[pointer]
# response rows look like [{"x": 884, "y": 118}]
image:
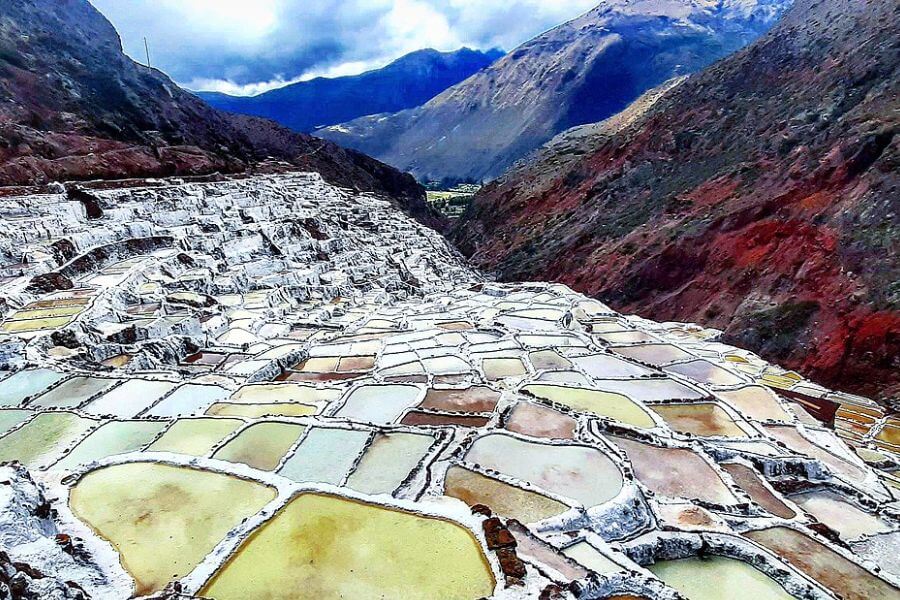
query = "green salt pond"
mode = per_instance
[
  {"x": 195, "y": 437},
  {"x": 604, "y": 404},
  {"x": 261, "y": 445},
  {"x": 327, "y": 547},
  {"x": 25, "y": 384},
  {"x": 44, "y": 438},
  {"x": 9, "y": 418},
  {"x": 388, "y": 462},
  {"x": 72, "y": 393},
  {"x": 325, "y": 455},
  {"x": 718, "y": 578},
  {"x": 163, "y": 520},
  {"x": 117, "y": 437}
]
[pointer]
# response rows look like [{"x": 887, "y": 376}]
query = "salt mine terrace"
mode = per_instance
[{"x": 274, "y": 387}]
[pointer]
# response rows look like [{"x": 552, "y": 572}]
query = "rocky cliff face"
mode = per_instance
[
  {"x": 580, "y": 72},
  {"x": 760, "y": 196},
  {"x": 73, "y": 106},
  {"x": 410, "y": 81}
]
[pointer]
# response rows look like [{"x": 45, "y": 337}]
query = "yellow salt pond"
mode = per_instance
[
  {"x": 323, "y": 546},
  {"x": 605, "y": 404},
  {"x": 163, "y": 520}
]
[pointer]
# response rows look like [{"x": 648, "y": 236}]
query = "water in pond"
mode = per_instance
[
  {"x": 509, "y": 501},
  {"x": 604, "y": 404},
  {"x": 675, "y": 472},
  {"x": 117, "y": 437},
  {"x": 188, "y": 400},
  {"x": 847, "y": 519},
  {"x": 44, "y": 438},
  {"x": 25, "y": 384},
  {"x": 35, "y": 325},
  {"x": 380, "y": 404},
  {"x": 748, "y": 480},
  {"x": 420, "y": 418},
  {"x": 325, "y": 455},
  {"x": 537, "y": 420},
  {"x": 500, "y": 368},
  {"x": 705, "y": 372},
  {"x": 329, "y": 547},
  {"x": 549, "y": 359},
  {"x": 843, "y": 577},
  {"x": 587, "y": 556},
  {"x": 653, "y": 354},
  {"x": 388, "y": 462},
  {"x": 702, "y": 419},
  {"x": 473, "y": 399},
  {"x": 194, "y": 437},
  {"x": 756, "y": 402},
  {"x": 582, "y": 473},
  {"x": 11, "y": 417},
  {"x": 72, "y": 392},
  {"x": 261, "y": 445},
  {"x": 163, "y": 520},
  {"x": 255, "y": 411},
  {"x": 649, "y": 390},
  {"x": 718, "y": 578},
  {"x": 267, "y": 393},
  {"x": 605, "y": 365},
  {"x": 130, "y": 398}
]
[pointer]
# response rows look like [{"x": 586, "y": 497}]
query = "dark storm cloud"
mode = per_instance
[{"x": 246, "y": 46}]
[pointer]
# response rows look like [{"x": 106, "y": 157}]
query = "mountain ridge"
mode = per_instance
[
  {"x": 409, "y": 81},
  {"x": 579, "y": 72}
]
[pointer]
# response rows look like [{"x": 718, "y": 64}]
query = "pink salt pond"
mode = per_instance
[
  {"x": 675, "y": 472},
  {"x": 536, "y": 420},
  {"x": 473, "y": 399}
]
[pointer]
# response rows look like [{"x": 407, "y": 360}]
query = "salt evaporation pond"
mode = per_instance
[{"x": 718, "y": 578}]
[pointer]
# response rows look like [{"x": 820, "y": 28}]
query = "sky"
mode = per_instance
[{"x": 246, "y": 47}]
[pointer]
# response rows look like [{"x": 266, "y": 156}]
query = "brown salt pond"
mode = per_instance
[
  {"x": 504, "y": 499},
  {"x": 473, "y": 399},
  {"x": 794, "y": 440},
  {"x": 163, "y": 520},
  {"x": 748, "y": 480},
  {"x": 322, "y": 546},
  {"x": 675, "y": 472},
  {"x": 756, "y": 402},
  {"x": 537, "y": 420},
  {"x": 703, "y": 419},
  {"x": 419, "y": 418},
  {"x": 843, "y": 577}
]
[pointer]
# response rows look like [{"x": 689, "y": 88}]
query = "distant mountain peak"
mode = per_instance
[{"x": 408, "y": 81}]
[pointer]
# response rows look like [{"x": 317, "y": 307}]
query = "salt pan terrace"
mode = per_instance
[{"x": 275, "y": 388}]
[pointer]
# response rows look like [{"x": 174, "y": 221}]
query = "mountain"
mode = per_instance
[
  {"x": 74, "y": 106},
  {"x": 761, "y": 197},
  {"x": 580, "y": 72},
  {"x": 407, "y": 82}
]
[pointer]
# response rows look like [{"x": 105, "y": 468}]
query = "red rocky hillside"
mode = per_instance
[{"x": 759, "y": 196}]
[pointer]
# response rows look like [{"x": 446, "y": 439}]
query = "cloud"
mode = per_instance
[{"x": 246, "y": 47}]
